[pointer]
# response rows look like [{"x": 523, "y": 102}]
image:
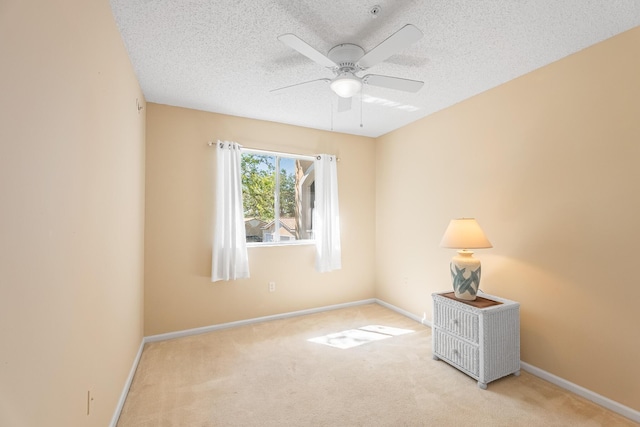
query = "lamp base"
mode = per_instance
[{"x": 465, "y": 275}]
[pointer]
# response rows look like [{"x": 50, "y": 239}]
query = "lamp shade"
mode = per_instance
[
  {"x": 464, "y": 233},
  {"x": 346, "y": 85}
]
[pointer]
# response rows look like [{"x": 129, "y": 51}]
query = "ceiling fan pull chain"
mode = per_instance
[
  {"x": 361, "y": 95},
  {"x": 331, "y": 106}
]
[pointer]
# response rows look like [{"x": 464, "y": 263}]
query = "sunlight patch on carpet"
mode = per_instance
[{"x": 355, "y": 337}]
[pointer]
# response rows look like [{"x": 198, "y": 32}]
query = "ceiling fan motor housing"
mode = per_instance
[{"x": 346, "y": 55}]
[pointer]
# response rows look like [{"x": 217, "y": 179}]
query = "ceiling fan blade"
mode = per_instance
[
  {"x": 344, "y": 104},
  {"x": 304, "y": 48},
  {"x": 402, "y": 38},
  {"x": 299, "y": 84},
  {"x": 393, "y": 82}
]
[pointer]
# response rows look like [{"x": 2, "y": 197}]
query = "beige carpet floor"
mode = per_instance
[{"x": 268, "y": 374}]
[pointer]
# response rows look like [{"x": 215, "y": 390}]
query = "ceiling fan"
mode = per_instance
[{"x": 347, "y": 59}]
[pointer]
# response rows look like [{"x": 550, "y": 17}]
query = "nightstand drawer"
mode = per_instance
[
  {"x": 481, "y": 338},
  {"x": 457, "y": 351},
  {"x": 456, "y": 321}
]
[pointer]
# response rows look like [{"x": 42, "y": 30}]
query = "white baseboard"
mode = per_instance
[
  {"x": 127, "y": 385},
  {"x": 612, "y": 405},
  {"x": 405, "y": 313},
  {"x": 195, "y": 331},
  {"x": 204, "y": 329}
]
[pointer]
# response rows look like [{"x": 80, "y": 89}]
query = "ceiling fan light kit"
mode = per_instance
[
  {"x": 346, "y": 85},
  {"x": 346, "y": 59}
]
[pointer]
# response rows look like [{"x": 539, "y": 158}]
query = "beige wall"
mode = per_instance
[
  {"x": 71, "y": 213},
  {"x": 548, "y": 164},
  {"x": 552, "y": 158},
  {"x": 179, "y": 293}
]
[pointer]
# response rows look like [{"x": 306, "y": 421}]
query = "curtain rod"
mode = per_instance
[{"x": 276, "y": 153}]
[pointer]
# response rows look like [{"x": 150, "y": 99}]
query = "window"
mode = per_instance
[{"x": 278, "y": 194}]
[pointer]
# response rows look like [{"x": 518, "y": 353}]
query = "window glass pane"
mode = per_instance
[
  {"x": 291, "y": 180},
  {"x": 258, "y": 196},
  {"x": 303, "y": 198},
  {"x": 287, "y": 193}
]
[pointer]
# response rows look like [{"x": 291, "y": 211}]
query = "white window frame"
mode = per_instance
[{"x": 277, "y": 155}]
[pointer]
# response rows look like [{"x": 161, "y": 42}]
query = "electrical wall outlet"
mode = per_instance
[{"x": 272, "y": 286}]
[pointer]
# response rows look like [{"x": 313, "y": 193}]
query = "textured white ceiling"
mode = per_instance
[{"x": 224, "y": 56}]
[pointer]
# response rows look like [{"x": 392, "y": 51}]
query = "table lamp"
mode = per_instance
[{"x": 464, "y": 234}]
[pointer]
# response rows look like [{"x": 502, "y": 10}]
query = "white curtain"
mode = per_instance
[
  {"x": 326, "y": 219},
  {"x": 229, "y": 260}
]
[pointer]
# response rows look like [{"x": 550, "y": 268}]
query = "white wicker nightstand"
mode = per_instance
[{"x": 480, "y": 338}]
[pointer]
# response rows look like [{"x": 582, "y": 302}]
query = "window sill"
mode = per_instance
[{"x": 292, "y": 243}]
